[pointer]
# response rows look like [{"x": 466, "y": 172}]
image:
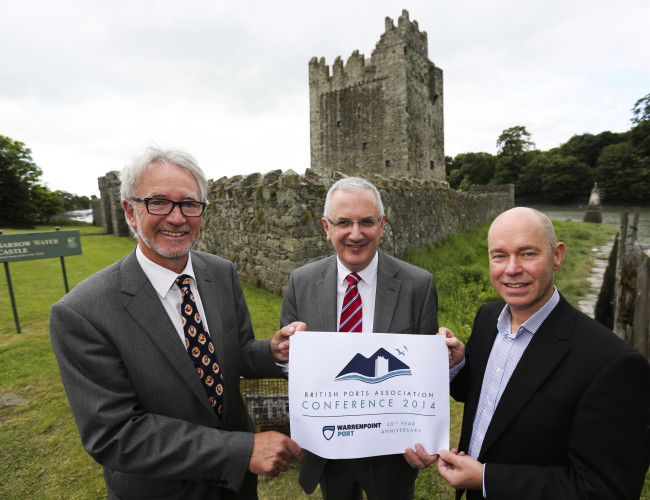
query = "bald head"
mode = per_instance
[
  {"x": 524, "y": 254},
  {"x": 518, "y": 215}
]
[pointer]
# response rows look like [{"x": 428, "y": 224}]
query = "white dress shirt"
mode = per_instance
[{"x": 164, "y": 282}]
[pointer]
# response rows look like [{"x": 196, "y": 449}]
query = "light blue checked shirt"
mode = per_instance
[{"x": 506, "y": 352}]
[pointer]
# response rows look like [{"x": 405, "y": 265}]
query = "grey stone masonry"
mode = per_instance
[
  {"x": 109, "y": 213},
  {"x": 268, "y": 225},
  {"x": 379, "y": 116}
]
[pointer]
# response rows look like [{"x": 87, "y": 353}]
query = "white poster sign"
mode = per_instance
[{"x": 355, "y": 395}]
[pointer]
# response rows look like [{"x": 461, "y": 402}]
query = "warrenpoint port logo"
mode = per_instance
[
  {"x": 328, "y": 432},
  {"x": 381, "y": 366}
]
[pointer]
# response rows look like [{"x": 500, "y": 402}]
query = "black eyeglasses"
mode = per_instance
[
  {"x": 163, "y": 206},
  {"x": 367, "y": 223}
]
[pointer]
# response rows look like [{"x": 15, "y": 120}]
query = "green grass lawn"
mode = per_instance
[{"x": 40, "y": 452}]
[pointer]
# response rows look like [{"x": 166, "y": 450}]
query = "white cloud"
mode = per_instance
[{"x": 86, "y": 85}]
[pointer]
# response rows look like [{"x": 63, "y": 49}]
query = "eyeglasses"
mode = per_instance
[
  {"x": 163, "y": 206},
  {"x": 367, "y": 223}
]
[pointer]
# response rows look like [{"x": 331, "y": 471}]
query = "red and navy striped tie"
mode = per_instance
[{"x": 351, "y": 311}]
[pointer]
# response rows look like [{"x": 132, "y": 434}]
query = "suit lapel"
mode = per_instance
[
  {"x": 388, "y": 288},
  {"x": 144, "y": 306},
  {"x": 545, "y": 351},
  {"x": 326, "y": 289}
]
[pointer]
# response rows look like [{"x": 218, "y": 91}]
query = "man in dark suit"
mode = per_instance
[
  {"x": 556, "y": 406},
  {"x": 395, "y": 297},
  {"x": 142, "y": 404}
]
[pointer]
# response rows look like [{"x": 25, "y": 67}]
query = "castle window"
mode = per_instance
[
  {"x": 405, "y": 49},
  {"x": 431, "y": 165},
  {"x": 365, "y": 145},
  {"x": 358, "y": 111},
  {"x": 387, "y": 163},
  {"x": 338, "y": 123}
]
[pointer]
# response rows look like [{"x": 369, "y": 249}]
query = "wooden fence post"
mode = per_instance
[
  {"x": 619, "y": 326},
  {"x": 640, "y": 337}
]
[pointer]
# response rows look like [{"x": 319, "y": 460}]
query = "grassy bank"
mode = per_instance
[{"x": 40, "y": 451}]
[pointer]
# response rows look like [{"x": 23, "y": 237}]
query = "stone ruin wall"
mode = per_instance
[{"x": 268, "y": 225}]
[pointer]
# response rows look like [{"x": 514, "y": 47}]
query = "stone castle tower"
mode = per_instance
[{"x": 382, "y": 115}]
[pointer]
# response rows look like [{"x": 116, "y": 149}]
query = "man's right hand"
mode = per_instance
[
  {"x": 272, "y": 454},
  {"x": 455, "y": 347}
]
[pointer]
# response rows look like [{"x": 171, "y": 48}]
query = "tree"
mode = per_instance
[
  {"x": 23, "y": 200},
  {"x": 565, "y": 179},
  {"x": 18, "y": 175},
  {"x": 515, "y": 150},
  {"x": 471, "y": 168},
  {"x": 623, "y": 173},
  {"x": 641, "y": 110},
  {"x": 587, "y": 147},
  {"x": 514, "y": 141}
]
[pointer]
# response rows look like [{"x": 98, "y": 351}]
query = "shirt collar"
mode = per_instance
[
  {"x": 161, "y": 278},
  {"x": 368, "y": 275},
  {"x": 533, "y": 323}
]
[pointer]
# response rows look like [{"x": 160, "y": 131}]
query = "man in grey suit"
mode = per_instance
[
  {"x": 141, "y": 404},
  {"x": 396, "y": 297}
]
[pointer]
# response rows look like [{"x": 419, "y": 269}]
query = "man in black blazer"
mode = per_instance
[
  {"x": 139, "y": 400},
  {"x": 396, "y": 297},
  {"x": 556, "y": 406}
]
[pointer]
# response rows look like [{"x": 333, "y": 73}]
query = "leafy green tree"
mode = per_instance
[
  {"x": 515, "y": 150},
  {"x": 47, "y": 203},
  {"x": 623, "y": 173},
  {"x": 18, "y": 175},
  {"x": 641, "y": 110},
  {"x": 514, "y": 141},
  {"x": 565, "y": 179},
  {"x": 587, "y": 147},
  {"x": 23, "y": 200},
  {"x": 471, "y": 168}
]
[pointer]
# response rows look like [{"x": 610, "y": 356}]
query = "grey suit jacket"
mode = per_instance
[
  {"x": 574, "y": 419},
  {"x": 138, "y": 403},
  {"x": 406, "y": 302}
]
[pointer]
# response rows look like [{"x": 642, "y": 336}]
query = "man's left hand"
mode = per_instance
[
  {"x": 280, "y": 342},
  {"x": 460, "y": 470}
]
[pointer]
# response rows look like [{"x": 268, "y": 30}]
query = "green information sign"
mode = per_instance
[
  {"x": 30, "y": 246},
  {"x": 44, "y": 245}
]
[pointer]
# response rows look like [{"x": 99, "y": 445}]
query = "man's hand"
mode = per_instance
[
  {"x": 455, "y": 347},
  {"x": 272, "y": 454},
  {"x": 460, "y": 471},
  {"x": 280, "y": 342},
  {"x": 419, "y": 459}
]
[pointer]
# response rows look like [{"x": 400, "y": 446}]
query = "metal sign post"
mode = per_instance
[{"x": 43, "y": 245}]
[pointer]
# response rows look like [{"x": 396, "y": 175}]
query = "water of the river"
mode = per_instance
[{"x": 611, "y": 215}]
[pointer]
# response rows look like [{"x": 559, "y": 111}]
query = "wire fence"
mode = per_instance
[{"x": 267, "y": 400}]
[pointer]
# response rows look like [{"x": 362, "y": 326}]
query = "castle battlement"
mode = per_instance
[{"x": 379, "y": 115}]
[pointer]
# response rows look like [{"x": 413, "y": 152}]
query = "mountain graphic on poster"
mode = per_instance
[{"x": 381, "y": 366}]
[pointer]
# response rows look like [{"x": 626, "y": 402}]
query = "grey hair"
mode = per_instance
[
  {"x": 131, "y": 174},
  {"x": 355, "y": 184}
]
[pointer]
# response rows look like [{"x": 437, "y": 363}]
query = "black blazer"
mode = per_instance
[{"x": 574, "y": 420}]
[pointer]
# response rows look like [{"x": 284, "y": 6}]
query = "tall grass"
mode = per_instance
[{"x": 40, "y": 451}]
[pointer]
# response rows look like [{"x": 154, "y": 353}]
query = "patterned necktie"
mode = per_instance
[
  {"x": 199, "y": 346},
  {"x": 351, "y": 310}
]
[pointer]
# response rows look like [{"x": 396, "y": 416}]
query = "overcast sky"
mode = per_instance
[{"x": 87, "y": 84}]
